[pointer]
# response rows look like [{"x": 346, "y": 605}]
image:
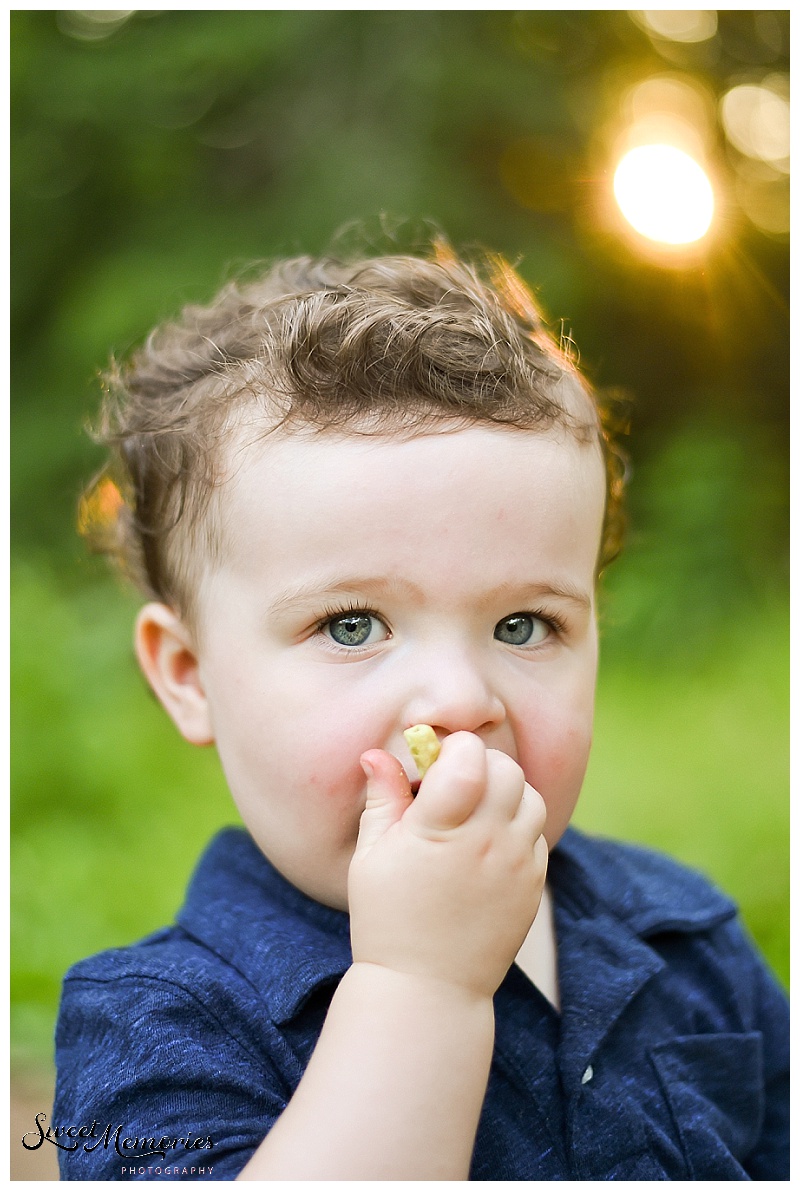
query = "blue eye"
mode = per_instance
[
  {"x": 355, "y": 628},
  {"x": 521, "y": 629}
]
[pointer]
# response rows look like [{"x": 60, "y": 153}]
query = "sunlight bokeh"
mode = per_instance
[
  {"x": 679, "y": 24},
  {"x": 664, "y": 194},
  {"x": 756, "y": 121}
]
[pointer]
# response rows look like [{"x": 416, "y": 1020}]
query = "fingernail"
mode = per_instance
[{"x": 368, "y": 770}]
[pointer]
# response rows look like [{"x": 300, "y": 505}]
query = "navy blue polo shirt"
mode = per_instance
[{"x": 669, "y": 1059}]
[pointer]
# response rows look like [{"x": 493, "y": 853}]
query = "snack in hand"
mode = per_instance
[{"x": 423, "y": 746}]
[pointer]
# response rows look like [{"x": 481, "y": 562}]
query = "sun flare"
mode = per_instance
[{"x": 664, "y": 194}]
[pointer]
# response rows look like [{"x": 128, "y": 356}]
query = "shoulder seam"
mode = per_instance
[{"x": 172, "y": 984}]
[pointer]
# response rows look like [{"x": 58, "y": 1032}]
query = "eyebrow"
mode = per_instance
[
  {"x": 375, "y": 587},
  {"x": 560, "y": 589},
  {"x": 319, "y": 589}
]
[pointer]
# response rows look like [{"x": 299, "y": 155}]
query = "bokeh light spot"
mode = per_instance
[
  {"x": 664, "y": 194},
  {"x": 756, "y": 121},
  {"x": 687, "y": 25},
  {"x": 92, "y": 24},
  {"x": 764, "y": 197}
]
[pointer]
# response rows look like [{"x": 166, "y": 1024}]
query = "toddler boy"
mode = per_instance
[{"x": 362, "y": 496}]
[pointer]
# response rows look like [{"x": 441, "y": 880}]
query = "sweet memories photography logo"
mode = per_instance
[{"x": 109, "y": 1136}]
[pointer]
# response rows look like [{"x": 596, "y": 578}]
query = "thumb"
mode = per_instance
[{"x": 388, "y": 795}]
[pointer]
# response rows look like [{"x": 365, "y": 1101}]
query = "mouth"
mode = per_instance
[{"x": 415, "y": 785}]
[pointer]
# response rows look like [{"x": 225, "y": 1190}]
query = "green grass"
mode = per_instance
[
  {"x": 695, "y": 762},
  {"x": 111, "y": 808}
]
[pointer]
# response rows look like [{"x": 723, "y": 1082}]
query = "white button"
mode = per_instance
[{"x": 587, "y": 1075}]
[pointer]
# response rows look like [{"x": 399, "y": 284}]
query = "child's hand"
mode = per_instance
[{"x": 447, "y": 885}]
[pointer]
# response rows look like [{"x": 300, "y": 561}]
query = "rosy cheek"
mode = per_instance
[
  {"x": 343, "y": 787},
  {"x": 555, "y": 754},
  {"x": 335, "y": 772},
  {"x": 561, "y": 762}
]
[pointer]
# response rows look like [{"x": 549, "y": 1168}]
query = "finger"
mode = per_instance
[
  {"x": 388, "y": 795},
  {"x": 453, "y": 787},
  {"x": 531, "y": 813},
  {"x": 541, "y": 855},
  {"x": 505, "y": 786}
]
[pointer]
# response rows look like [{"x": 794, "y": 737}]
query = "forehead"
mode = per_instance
[{"x": 477, "y": 493}]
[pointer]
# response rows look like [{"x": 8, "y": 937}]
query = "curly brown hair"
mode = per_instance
[{"x": 390, "y": 344}]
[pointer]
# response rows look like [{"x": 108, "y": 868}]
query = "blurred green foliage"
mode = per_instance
[{"x": 152, "y": 156}]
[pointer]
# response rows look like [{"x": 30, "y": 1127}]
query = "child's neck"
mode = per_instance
[{"x": 538, "y": 956}]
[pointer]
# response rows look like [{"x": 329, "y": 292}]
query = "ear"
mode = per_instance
[{"x": 169, "y": 660}]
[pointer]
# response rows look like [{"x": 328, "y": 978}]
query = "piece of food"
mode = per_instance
[{"x": 423, "y": 746}]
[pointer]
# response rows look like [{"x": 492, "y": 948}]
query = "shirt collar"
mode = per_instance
[
  {"x": 285, "y": 944},
  {"x": 610, "y": 899},
  {"x": 645, "y": 890}
]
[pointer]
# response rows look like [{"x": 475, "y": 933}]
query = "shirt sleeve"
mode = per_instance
[{"x": 161, "y": 1086}]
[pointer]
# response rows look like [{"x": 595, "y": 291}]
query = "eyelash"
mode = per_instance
[
  {"x": 333, "y": 612},
  {"x": 553, "y": 620}
]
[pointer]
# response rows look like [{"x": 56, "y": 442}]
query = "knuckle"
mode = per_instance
[{"x": 465, "y": 776}]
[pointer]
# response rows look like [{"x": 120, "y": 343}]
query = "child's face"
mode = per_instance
[{"x": 368, "y": 584}]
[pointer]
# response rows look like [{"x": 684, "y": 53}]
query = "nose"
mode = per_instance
[{"x": 454, "y": 693}]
